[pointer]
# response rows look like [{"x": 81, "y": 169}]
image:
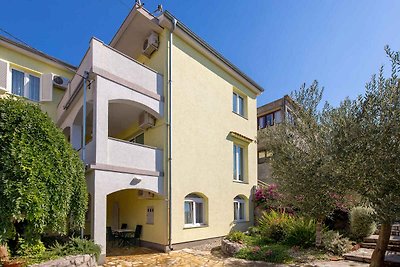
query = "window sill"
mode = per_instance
[
  {"x": 239, "y": 182},
  {"x": 242, "y": 116},
  {"x": 190, "y": 226},
  {"x": 241, "y": 221}
]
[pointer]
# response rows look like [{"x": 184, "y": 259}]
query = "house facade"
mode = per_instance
[
  {"x": 167, "y": 128},
  {"x": 269, "y": 115}
]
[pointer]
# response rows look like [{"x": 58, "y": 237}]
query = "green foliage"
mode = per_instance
[
  {"x": 366, "y": 132},
  {"x": 362, "y": 222},
  {"x": 30, "y": 247},
  {"x": 270, "y": 253},
  {"x": 78, "y": 246},
  {"x": 42, "y": 182},
  {"x": 236, "y": 236},
  {"x": 273, "y": 225},
  {"x": 335, "y": 243},
  {"x": 300, "y": 232},
  {"x": 254, "y": 231}
]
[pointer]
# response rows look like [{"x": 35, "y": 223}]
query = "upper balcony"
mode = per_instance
[{"x": 120, "y": 70}]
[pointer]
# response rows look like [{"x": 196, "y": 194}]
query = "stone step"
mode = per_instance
[
  {"x": 394, "y": 240},
  {"x": 364, "y": 255},
  {"x": 372, "y": 246}
]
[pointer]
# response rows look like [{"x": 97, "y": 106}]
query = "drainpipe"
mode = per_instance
[
  {"x": 174, "y": 21},
  {"x": 85, "y": 77}
]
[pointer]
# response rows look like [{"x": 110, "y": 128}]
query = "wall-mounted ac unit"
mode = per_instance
[
  {"x": 143, "y": 194},
  {"x": 150, "y": 44},
  {"x": 60, "y": 81},
  {"x": 146, "y": 120}
]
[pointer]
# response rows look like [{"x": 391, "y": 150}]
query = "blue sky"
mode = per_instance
[{"x": 280, "y": 44}]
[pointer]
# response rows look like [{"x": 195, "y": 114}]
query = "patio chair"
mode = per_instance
[
  {"x": 111, "y": 236},
  {"x": 124, "y": 226},
  {"x": 137, "y": 234}
]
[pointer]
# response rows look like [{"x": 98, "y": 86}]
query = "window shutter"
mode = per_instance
[
  {"x": 3, "y": 74},
  {"x": 46, "y": 87}
]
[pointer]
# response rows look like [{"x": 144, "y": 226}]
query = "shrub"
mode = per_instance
[
  {"x": 236, "y": 236},
  {"x": 333, "y": 242},
  {"x": 253, "y": 231},
  {"x": 273, "y": 225},
  {"x": 78, "y": 246},
  {"x": 362, "y": 223},
  {"x": 271, "y": 253},
  {"x": 27, "y": 248},
  {"x": 300, "y": 232}
]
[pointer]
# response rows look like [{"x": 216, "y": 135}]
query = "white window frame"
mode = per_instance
[
  {"x": 26, "y": 83},
  {"x": 193, "y": 201},
  {"x": 241, "y": 204},
  {"x": 239, "y": 167},
  {"x": 236, "y": 98}
]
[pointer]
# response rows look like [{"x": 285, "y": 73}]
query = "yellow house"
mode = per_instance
[
  {"x": 170, "y": 130},
  {"x": 29, "y": 73}
]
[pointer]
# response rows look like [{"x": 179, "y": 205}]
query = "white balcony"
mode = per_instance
[
  {"x": 122, "y": 77},
  {"x": 135, "y": 156}
]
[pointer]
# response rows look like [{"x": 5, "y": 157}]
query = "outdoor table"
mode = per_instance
[{"x": 124, "y": 235}]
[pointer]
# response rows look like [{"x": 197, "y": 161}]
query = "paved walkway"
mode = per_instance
[{"x": 193, "y": 258}]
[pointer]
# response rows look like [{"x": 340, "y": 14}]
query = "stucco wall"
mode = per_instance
[
  {"x": 36, "y": 67},
  {"x": 202, "y": 152}
]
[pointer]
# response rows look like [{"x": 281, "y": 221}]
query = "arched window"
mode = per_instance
[
  {"x": 194, "y": 210},
  {"x": 239, "y": 209}
]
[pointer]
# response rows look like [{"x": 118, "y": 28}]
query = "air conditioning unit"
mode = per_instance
[
  {"x": 60, "y": 81},
  {"x": 143, "y": 194},
  {"x": 146, "y": 120},
  {"x": 150, "y": 44}
]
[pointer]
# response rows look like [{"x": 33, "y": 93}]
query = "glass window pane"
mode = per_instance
[
  {"x": 270, "y": 119},
  {"x": 34, "y": 88},
  {"x": 240, "y": 165},
  {"x": 241, "y": 211},
  {"x": 278, "y": 116},
  {"x": 261, "y": 122},
  {"x": 199, "y": 212},
  {"x": 188, "y": 212},
  {"x": 234, "y": 101},
  {"x": 234, "y": 162},
  {"x": 235, "y": 208},
  {"x": 17, "y": 83},
  {"x": 241, "y": 105}
]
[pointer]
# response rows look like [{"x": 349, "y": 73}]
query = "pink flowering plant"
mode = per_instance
[{"x": 268, "y": 197}]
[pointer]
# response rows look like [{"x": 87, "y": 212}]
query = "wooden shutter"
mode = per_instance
[
  {"x": 46, "y": 87},
  {"x": 3, "y": 74}
]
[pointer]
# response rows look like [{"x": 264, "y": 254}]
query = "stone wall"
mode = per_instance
[
  {"x": 230, "y": 248},
  {"x": 78, "y": 260}
]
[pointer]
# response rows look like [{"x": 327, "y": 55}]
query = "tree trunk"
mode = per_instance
[
  {"x": 318, "y": 233},
  {"x": 378, "y": 256}
]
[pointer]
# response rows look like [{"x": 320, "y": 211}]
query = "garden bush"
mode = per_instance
[
  {"x": 300, "y": 232},
  {"x": 273, "y": 225},
  {"x": 362, "y": 223},
  {"x": 276, "y": 253},
  {"x": 335, "y": 243},
  {"x": 236, "y": 236}
]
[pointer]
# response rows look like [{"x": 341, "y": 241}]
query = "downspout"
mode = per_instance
[
  {"x": 85, "y": 77},
  {"x": 174, "y": 21}
]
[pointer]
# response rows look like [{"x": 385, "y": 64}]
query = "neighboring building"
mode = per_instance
[
  {"x": 170, "y": 131},
  {"x": 269, "y": 115},
  {"x": 29, "y": 73}
]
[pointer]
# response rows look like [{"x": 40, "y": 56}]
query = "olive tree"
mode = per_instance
[
  {"x": 302, "y": 160},
  {"x": 42, "y": 182},
  {"x": 366, "y": 133}
]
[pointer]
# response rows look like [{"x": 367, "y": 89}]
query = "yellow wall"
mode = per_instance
[
  {"x": 202, "y": 151},
  {"x": 132, "y": 211},
  {"x": 30, "y": 64}
]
